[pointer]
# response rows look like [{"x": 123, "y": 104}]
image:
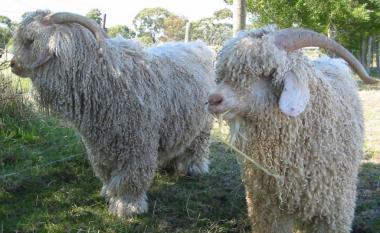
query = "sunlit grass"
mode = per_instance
[{"x": 371, "y": 107}]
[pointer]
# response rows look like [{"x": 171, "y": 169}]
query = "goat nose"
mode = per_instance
[
  {"x": 12, "y": 64},
  {"x": 215, "y": 99}
]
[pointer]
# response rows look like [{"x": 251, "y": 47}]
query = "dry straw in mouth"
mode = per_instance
[{"x": 242, "y": 154}]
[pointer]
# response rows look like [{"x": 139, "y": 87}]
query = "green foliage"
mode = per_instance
[
  {"x": 5, "y": 37},
  {"x": 5, "y": 20},
  {"x": 174, "y": 28},
  {"x": 150, "y": 22},
  {"x": 12, "y": 101},
  {"x": 6, "y": 28},
  {"x": 223, "y": 14},
  {"x": 96, "y": 15},
  {"x": 350, "y": 19},
  {"x": 146, "y": 40},
  {"x": 158, "y": 24},
  {"x": 364, "y": 22},
  {"x": 121, "y": 30},
  {"x": 154, "y": 25},
  {"x": 214, "y": 30}
]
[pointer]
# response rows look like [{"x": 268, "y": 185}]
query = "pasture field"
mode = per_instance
[{"x": 47, "y": 185}]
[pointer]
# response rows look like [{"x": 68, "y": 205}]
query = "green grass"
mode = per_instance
[
  {"x": 367, "y": 216},
  {"x": 64, "y": 196}
]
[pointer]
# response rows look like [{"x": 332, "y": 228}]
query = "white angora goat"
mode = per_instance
[
  {"x": 299, "y": 118},
  {"x": 135, "y": 108}
]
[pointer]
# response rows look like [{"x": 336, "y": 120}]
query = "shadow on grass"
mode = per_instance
[{"x": 367, "y": 214}]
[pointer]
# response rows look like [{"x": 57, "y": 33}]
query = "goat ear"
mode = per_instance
[
  {"x": 44, "y": 56},
  {"x": 295, "y": 95}
]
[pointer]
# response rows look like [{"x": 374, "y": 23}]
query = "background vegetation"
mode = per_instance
[{"x": 353, "y": 23}]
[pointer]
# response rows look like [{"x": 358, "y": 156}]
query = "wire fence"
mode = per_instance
[{"x": 38, "y": 166}]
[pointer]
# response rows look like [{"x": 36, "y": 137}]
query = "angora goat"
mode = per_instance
[
  {"x": 299, "y": 118},
  {"x": 135, "y": 108}
]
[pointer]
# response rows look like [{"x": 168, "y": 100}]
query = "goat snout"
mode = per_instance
[
  {"x": 13, "y": 64},
  {"x": 216, "y": 103},
  {"x": 215, "y": 99},
  {"x": 17, "y": 69}
]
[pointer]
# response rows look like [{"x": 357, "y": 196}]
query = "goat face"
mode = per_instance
[
  {"x": 291, "y": 98},
  {"x": 232, "y": 101},
  {"x": 31, "y": 45},
  {"x": 63, "y": 37},
  {"x": 253, "y": 77}
]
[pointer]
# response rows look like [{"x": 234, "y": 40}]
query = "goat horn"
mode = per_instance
[
  {"x": 292, "y": 39},
  {"x": 66, "y": 17}
]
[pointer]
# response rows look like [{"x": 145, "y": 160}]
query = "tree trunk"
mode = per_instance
[
  {"x": 369, "y": 53},
  {"x": 239, "y": 16},
  {"x": 331, "y": 33},
  {"x": 188, "y": 32},
  {"x": 377, "y": 54},
  {"x": 362, "y": 51},
  {"x": 104, "y": 22}
]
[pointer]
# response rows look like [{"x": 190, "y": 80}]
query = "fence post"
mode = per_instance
[
  {"x": 104, "y": 22},
  {"x": 188, "y": 32}
]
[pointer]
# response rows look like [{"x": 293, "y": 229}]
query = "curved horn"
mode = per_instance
[
  {"x": 66, "y": 17},
  {"x": 292, "y": 39}
]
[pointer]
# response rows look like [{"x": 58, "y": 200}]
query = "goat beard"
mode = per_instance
[{"x": 236, "y": 132}]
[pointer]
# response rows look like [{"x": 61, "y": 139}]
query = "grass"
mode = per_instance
[
  {"x": 367, "y": 215},
  {"x": 64, "y": 196},
  {"x": 371, "y": 105}
]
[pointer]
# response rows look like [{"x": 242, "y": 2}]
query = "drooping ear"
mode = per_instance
[
  {"x": 44, "y": 57},
  {"x": 295, "y": 95}
]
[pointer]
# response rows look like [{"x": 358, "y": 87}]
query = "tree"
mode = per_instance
[
  {"x": 6, "y": 28},
  {"x": 316, "y": 14},
  {"x": 96, "y": 15},
  {"x": 150, "y": 22},
  {"x": 121, "y": 30},
  {"x": 174, "y": 28},
  {"x": 214, "y": 30},
  {"x": 146, "y": 40},
  {"x": 160, "y": 25},
  {"x": 350, "y": 22},
  {"x": 5, "y": 20},
  {"x": 224, "y": 13}
]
